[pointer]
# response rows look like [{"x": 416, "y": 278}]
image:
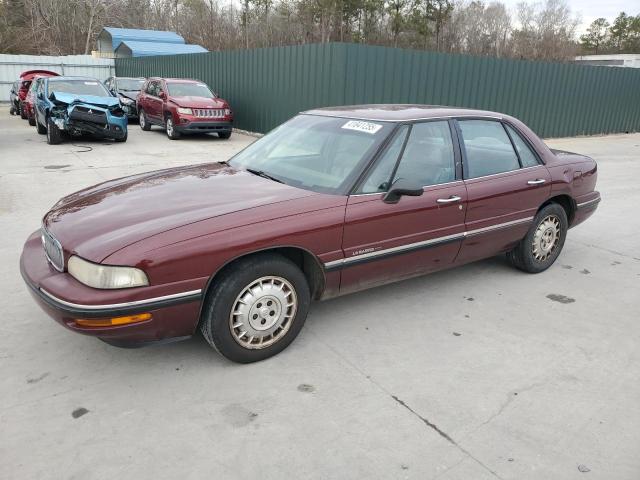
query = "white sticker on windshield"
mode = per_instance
[
  {"x": 359, "y": 126},
  {"x": 90, "y": 83}
]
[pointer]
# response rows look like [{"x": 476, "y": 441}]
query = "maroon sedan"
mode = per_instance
[{"x": 333, "y": 201}]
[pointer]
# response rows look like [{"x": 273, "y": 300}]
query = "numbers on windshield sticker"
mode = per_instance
[{"x": 358, "y": 126}]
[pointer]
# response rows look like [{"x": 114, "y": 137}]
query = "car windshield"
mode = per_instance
[
  {"x": 180, "y": 89},
  {"x": 322, "y": 154},
  {"x": 130, "y": 84},
  {"x": 79, "y": 87}
]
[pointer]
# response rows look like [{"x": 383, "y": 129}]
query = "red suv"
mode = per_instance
[
  {"x": 183, "y": 106},
  {"x": 25, "y": 83}
]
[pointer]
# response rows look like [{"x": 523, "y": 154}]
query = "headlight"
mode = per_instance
[
  {"x": 227, "y": 111},
  {"x": 126, "y": 101},
  {"x": 105, "y": 276},
  {"x": 186, "y": 111}
]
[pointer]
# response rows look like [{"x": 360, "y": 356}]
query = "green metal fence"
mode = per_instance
[{"x": 267, "y": 86}]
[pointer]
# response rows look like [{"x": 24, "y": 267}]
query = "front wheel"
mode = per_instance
[
  {"x": 544, "y": 241},
  {"x": 32, "y": 121},
  {"x": 123, "y": 138},
  {"x": 54, "y": 135},
  {"x": 224, "y": 135},
  {"x": 256, "y": 308},
  {"x": 23, "y": 111},
  {"x": 172, "y": 133}
]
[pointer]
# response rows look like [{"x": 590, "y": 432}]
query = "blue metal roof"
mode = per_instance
[
  {"x": 119, "y": 35},
  {"x": 146, "y": 49}
]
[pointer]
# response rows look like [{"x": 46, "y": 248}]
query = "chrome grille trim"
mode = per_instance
[
  {"x": 52, "y": 249},
  {"x": 208, "y": 112}
]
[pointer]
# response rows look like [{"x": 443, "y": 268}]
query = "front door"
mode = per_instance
[
  {"x": 384, "y": 242},
  {"x": 506, "y": 184}
]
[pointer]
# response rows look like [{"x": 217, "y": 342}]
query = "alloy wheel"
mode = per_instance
[{"x": 263, "y": 312}]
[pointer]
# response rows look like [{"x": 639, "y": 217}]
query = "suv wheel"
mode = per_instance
[
  {"x": 144, "y": 121},
  {"x": 172, "y": 133},
  {"x": 544, "y": 241},
  {"x": 224, "y": 135},
  {"x": 54, "y": 135},
  {"x": 256, "y": 308},
  {"x": 23, "y": 112}
]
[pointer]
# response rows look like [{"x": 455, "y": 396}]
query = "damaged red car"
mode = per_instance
[{"x": 334, "y": 201}]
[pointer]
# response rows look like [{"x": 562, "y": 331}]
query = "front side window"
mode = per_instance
[
  {"x": 317, "y": 153},
  {"x": 181, "y": 89},
  {"x": 428, "y": 157},
  {"x": 487, "y": 147},
  {"x": 378, "y": 178},
  {"x": 527, "y": 157},
  {"x": 128, "y": 84}
]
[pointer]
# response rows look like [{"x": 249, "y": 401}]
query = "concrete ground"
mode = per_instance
[{"x": 472, "y": 373}]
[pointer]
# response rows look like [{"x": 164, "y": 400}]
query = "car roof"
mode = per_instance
[
  {"x": 177, "y": 80},
  {"x": 129, "y": 78},
  {"x": 57, "y": 79},
  {"x": 399, "y": 112}
]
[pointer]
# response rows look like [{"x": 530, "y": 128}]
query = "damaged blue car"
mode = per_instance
[{"x": 78, "y": 106}]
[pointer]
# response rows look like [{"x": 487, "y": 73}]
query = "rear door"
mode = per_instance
[
  {"x": 384, "y": 242},
  {"x": 506, "y": 184}
]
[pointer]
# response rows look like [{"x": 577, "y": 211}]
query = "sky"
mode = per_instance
[{"x": 589, "y": 10}]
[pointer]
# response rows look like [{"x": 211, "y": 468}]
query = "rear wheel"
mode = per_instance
[
  {"x": 172, "y": 133},
  {"x": 256, "y": 308},
  {"x": 544, "y": 241},
  {"x": 54, "y": 135},
  {"x": 32, "y": 121},
  {"x": 144, "y": 121},
  {"x": 23, "y": 111},
  {"x": 12, "y": 110}
]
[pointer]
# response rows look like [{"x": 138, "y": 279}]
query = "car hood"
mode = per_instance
[
  {"x": 100, "y": 220},
  {"x": 71, "y": 98},
  {"x": 199, "y": 102}
]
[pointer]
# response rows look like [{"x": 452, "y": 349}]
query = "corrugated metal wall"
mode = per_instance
[
  {"x": 82, "y": 65},
  {"x": 267, "y": 86}
]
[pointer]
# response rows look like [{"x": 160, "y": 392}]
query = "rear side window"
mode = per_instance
[
  {"x": 487, "y": 147},
  {"x": 428, "y": 156},
  {"x": 527, "y": 157}
]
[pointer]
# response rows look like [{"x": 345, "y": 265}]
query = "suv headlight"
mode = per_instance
[
  {"x": 126, "y": 101},
  {"x": 105, "y": 276},
  {"x": 186, "y": 111}
]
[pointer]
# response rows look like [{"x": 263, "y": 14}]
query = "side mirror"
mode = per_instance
[
  {"x": 402, "y": 187},
  {"x": 162, "y": 95}
]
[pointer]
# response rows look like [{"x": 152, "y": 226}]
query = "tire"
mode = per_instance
[
  {"x": 224, "y": 135},
  {"x": 32, "y": 121},
  {"x": 277, "y": 281},
  {"x": 23, "y": 113},
  {"x": 544, "y": 241},
  {"x": 41, "y": 129},
  {"x": 172, "y": 133},
  {"x": 12, "y": 110},
  {"x": 144, "y": 121},
  {"x": 122, "y": 139},
  {"x": 54, "y": 135}
]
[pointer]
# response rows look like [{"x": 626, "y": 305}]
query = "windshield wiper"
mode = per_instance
[{"x": 262, "y": 174}]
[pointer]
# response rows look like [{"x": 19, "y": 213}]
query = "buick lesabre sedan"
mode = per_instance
[{"x": 333, "y": 201}]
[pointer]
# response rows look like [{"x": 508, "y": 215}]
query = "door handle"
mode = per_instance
[
  {"x": 537, "y": 181},
  {"x": 451, "y": 199}
]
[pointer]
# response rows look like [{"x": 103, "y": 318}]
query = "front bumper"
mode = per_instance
[
  {"x": 174, "y": 308},
  {"x": 187, "y": 126},
  {"x": 100, "y": 122}
]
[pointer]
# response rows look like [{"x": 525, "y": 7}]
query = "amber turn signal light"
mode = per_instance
[{"x": 112, "y": 322}]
